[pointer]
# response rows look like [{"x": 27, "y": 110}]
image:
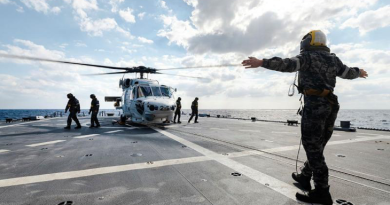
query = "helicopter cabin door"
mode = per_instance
[
  {"x": 126, "y": 102},
  {"x": 133, "y": 101}
]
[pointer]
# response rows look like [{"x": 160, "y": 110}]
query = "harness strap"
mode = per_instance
[{"x": 321, "y": 93}]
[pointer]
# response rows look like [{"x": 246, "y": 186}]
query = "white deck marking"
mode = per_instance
[
  {"x": 45, "y": 143},
  {"x": 191, "y": 127},
  {"x": 368, "y": 133},
  {"x": 96, "y": 171},
  {"x": 3, "y": 150},
  {"x": 361, "y": 139},
  {"x": 128, "y": 128},
  {"x": 24, "y": 123},
  {"x": 85, "y": 136},
  {"x": 360, "y": 136},
  {"x": 295, "y": 147},
  {"x": 43, "y": 125},
  {"x": 259, "y": 131},
  {"x": 272, "y": 183},
  {"x": 213, "y": 128},
  {"x": 114, "y": 131},
  {"x": 129, "y": 167},
  {"x": 284, "y": 132}
]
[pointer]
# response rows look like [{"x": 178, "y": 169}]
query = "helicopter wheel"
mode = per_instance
[{"x": 122, "y": 120}]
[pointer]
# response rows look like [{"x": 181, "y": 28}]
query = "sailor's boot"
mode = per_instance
[
  {"x": 303, "y": 180},
  {"x": 319, "y": 195}
]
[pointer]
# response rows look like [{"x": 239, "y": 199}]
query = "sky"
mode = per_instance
[{"x": 179, "y": 33}]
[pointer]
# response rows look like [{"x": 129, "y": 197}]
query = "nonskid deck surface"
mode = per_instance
[{"x": 217, "y": 161}]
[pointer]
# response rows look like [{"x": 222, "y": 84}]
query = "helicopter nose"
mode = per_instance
[
  {"x": 160, "y": 107},
  {"x": 166, "y": 107}
]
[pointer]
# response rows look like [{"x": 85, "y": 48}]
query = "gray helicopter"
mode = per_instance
[{"x": 143, "y": 100}]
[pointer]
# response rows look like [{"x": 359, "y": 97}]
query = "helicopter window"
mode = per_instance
[
  {"x": 128, "y": 94},
  {"x": 144, "y": 91},
  {"x": 156, "y": 91},
  {"x": 165, "y": 92}
]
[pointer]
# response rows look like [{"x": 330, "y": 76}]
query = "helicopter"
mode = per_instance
[{"x": 143, "y": 100}]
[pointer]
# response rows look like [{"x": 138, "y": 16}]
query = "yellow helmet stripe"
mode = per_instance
[{"x": 313, "y": 41}]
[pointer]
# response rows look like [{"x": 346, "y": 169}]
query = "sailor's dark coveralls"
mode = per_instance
[
  {"x": 178, "y": 111},
  {"x": 194, "y": 109},
  {"x": 74, "y": 107},
  {"x": 317, "y": 78},
  {"x": 94, "y": 110}
]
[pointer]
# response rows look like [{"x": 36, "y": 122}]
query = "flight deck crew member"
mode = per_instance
[
  {"x": 317, "y": 69},
  {"x": 178, "y": 110},
  {"x": 194, "y": 109},
  {"x": 74, "y": 107},
  {"x": 94, "y": 110}
]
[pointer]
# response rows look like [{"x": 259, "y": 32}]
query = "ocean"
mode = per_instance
[{"x": 378, "y": 119}]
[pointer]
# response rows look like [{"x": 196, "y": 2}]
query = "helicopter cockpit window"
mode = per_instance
[
  {"x": 156, "y": 91},
  {"x": 128, "y": 94},
  {"x": 144, "y": 91},
  {"x": 165, "y": 92}
]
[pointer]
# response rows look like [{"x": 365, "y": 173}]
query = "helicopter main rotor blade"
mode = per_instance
[
  {"x": 206, "y": 66},
  {"x": 59, "y": 61},
  {"x": 105, "y": 73},
  {"x": 186, "y": 76}
]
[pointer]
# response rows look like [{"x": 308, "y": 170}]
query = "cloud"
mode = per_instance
[
  {"x": 50, "y": 82},
  {"x": 141, "y": 15},
  {"x": 114, "y": 5},
  {"x": 124, "y": 32},
  {"x": 127, "y": 15},
  {"x": 64, "y": 45},
  {"x": 5, "y": 1},
  {"x": 78, "y": 44},
  {"x": 127, "y": 50},
  {"x": 369, "y": 20},
  {"x": 375, "y": 61},
  {"x": 163, "y": 5},
  {"x": 19, "y": 8},
  {"x": 28, "y": 48},
  {"x": 249, "y": 26},
  {"x": 95, "y": 27},
  {"x": 56, "y": 10},
  {"x": 176, "y": 31},
  {"x": 144, "y": 40},
  {"x": 82, "y": 6},
  {"x": 38, "y": 5}
]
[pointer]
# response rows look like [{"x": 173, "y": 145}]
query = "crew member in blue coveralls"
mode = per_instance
[
  {"x": 317, "y": 69},
  {"x": 95, "y": 110},
  {"x": 74, "y": 107}
]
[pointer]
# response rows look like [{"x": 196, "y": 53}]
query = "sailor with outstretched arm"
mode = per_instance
[{"x": 317, "y": 70}]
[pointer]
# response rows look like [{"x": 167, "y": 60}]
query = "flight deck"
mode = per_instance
[{"x": 217, "y": 161}]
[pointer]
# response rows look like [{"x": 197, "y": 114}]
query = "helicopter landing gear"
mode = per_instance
[{"x": 122, "y": 120}]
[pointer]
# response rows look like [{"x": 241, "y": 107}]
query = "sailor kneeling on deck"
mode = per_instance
[{"x": 317, "y": 69}]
